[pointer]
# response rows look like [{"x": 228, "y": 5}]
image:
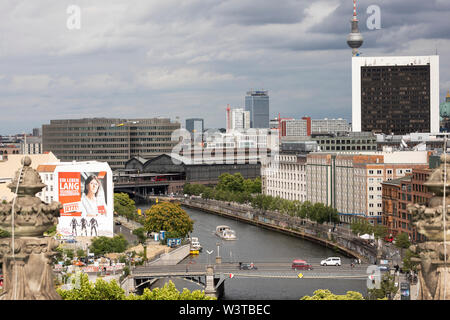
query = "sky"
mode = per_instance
[{"x": 191, "y": 58}]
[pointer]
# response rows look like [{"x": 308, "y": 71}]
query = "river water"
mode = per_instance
[{"x": 255, "y": 244}]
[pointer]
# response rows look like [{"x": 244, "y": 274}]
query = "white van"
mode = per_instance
[{"x": 332, "y": 261}]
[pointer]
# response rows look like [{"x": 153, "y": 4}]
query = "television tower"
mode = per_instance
[{"x": 354, "y": 38}]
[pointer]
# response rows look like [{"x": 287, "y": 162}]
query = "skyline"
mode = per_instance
[{"x": 144, "y": 59}]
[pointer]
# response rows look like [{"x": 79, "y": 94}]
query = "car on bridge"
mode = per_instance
[
  {"x": 331, "y": 261},
  {"x": 247, "y": 266},
  {"x": 298, "y": 264}
]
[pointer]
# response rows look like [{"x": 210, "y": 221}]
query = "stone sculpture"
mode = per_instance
[
  {"x": 434, "y": 276},
  {"x": 27, "y": 259}
]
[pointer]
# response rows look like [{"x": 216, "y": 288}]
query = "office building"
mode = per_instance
[
  {"x": 352, "y": 182},
  {"x": 444, "y": 114},
  {"x": 395, "y": 95},
  {"x": 284, "y": 176},
  {"x": 257, "y": 103},
  {"x": 237, "y": 119},
  {"x": 111, "y": 140},
  {"x": 196, "y": 127}
]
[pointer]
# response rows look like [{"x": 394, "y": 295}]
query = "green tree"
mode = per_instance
[
  {"x": 408, "y": 264},
  {"x": 168, "y": 217},
  {"x": 103, "y": 245},
  {"x": 387, "y": 288},
  {"x": 124, "y": 206},
  {"x": 229, "y": 182},
  {"x": 104, "y": 290},
  {"x": 141, "y": 233},
  {"x": 325, "y": 294},
  {"x": 402, "y": 240},
  {"x": 85, "y": 290},
  {"x": 169, "y": 292}
]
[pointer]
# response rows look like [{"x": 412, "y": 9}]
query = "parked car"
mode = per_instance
[
  {"x": 247, "y": 266},
  {"x": 331, "y": 261},
  {"x": 298, "y": 264},
  {"x": 118, "y": 223}
]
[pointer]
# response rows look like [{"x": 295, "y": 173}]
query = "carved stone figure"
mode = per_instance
[
  {"x": 27, "y": 257},
  {"x": 433, "y": 275}
]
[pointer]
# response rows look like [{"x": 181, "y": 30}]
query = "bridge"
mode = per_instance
[{"x": 213, "y": 276}]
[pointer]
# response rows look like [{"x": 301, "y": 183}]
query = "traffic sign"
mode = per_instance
[{"x": 300, "y": 275}]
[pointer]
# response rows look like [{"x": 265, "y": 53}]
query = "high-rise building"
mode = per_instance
[
  {"x": 196, "y": 127},
  {"x": 395, "y": 95},
  {"x": 238, "y": 119},
  {"x": 257, "y": 103},
  {"x": 109, "y": 140}
]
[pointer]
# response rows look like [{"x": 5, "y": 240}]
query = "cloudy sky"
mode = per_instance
[{"x": 190, "y": 58}]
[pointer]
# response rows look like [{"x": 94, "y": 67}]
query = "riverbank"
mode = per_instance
[{"x": 340, "y": 241}]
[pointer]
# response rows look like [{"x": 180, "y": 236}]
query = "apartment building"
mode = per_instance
[
  {"x": 397, "y": 194},
  {"x": 352, "y": 183}
]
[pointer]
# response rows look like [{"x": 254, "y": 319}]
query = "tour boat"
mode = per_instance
[
  {"x": 225, "y": 232},
  {"x": 195, "y": 246}
]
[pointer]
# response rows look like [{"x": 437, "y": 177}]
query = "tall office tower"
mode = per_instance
[
  {"x": 395, "y": 95},
  {"x": 109, "y": 140},
  {"x": 354, "y": 38},
  {"x": 257, "y": 102},
  {"x": 196, "y": 127},
  {"x": 238, "y": 119}
]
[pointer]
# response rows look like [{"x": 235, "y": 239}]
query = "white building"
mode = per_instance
[
  {"x": 285, "y": 176},
  {"x": 395, "y": 94},
  {"x": 238, "y": 119}
]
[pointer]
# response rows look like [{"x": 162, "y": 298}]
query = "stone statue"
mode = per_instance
[
  {"x": 27, "y": 259},
  {"x": 433, "y": 275}
]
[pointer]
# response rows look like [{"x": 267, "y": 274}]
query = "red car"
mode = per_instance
[{"x": 298, "y": 264}]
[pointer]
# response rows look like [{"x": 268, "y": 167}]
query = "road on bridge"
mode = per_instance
[{"x": 264, "y": 269}]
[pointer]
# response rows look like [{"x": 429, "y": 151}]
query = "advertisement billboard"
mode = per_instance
[{"x": 85, "y": 191}]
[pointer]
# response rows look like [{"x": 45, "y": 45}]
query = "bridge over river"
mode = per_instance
[{"x": 212, "y": 277}]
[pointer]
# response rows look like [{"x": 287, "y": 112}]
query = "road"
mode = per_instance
[
  {"x": 265, "y": 269},
  {"x": 127, "y": 232}
]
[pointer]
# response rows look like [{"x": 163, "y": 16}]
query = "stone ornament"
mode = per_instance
[
  {"x": 28, "y": 273},
  {"x": 433, "y": 273}
]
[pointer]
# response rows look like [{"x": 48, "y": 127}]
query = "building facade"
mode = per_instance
[
  {"x": 397, "y": 194},
  {"x": 352, "y": 183},
  {"x": 395, "y": 95},
  {"x": 257, "y": 103},
  {"x": 109, "y": 140},
  {"x": 285, "y": 176}
]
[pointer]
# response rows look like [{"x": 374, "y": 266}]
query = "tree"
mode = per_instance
[
  {"x": 123, "y": 205},
  {"x": 402, "y": 240},
  {"x": 103, "y": 245},
  {"x": 325, "y": 294},
  {"x": 168, "y": 217},
  {"x": 141, "y": 234},
  {"x": 387, "y": 288},
  {"x": 85, "y": 290},
  {"x": 170, "y": 292},
  {"x": 103, "y": 290},
  {"x": 229, "y": 182}
]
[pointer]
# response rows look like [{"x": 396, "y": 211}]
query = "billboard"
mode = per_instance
[{"x": 85, "y": 192}]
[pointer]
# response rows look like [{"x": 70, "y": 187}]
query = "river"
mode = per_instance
[{"x": 255, "y": 244}]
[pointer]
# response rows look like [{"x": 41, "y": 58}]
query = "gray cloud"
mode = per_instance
[{"x": 174, "y": 58}]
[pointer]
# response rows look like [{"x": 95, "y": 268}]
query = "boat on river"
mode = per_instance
[
  {"x": 195, "y": 246},
  {"x": 226, "y": 233}
]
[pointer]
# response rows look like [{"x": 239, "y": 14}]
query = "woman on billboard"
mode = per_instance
[{"x": 92, "y": 200}]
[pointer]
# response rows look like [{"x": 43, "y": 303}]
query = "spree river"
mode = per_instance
[{"x": 257, "y": 245}]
